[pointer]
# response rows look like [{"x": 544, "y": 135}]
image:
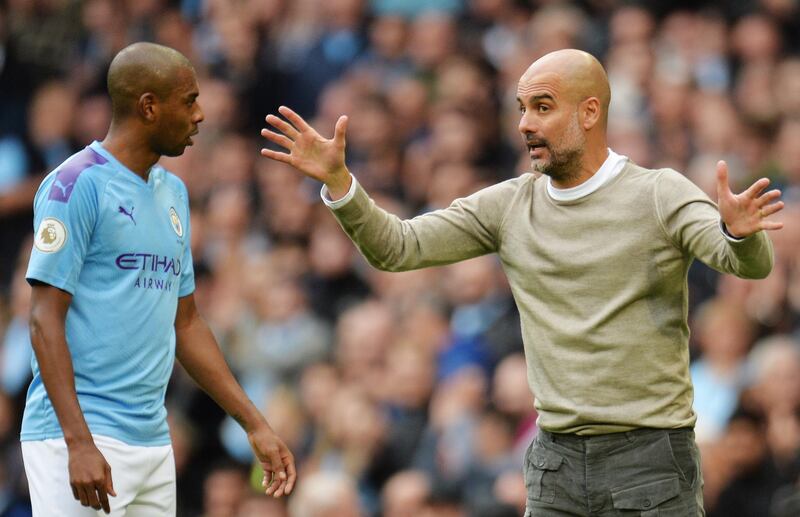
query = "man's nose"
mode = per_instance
[
  {"x": 198, "y": 116},
  {"x": 528, "y": 124}
]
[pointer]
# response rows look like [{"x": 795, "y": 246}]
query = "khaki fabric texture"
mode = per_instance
[{"x": 600, "y": 283}]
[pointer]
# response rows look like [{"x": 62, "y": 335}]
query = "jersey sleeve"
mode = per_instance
[
  {"x": 64, "y": 218},
  {"x": 187, "y": 265}
]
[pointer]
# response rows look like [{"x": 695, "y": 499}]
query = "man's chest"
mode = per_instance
[{"x": 141, "y": 229}]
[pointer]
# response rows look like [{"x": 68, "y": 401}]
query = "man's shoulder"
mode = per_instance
[
  {"x": 513, "y": 184},
  {"x": 86, "y": 170},
  {"x": 503, "y": 193},
  {"x": 644, "y": 177},
  {"x": 635, "y": 170}
]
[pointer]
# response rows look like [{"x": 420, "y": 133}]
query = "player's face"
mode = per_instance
[
  {"x": 549, "y": 126},
  {"x": 179, "y": 116}
]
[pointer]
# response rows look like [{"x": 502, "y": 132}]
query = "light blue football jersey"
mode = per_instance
[{"x": 120, "y": 247}]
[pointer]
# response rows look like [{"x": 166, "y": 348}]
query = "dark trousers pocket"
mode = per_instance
[{"x": 541, "y": 467}]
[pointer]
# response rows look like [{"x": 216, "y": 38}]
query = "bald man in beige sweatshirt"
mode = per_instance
[{"x": 596, "y": 250}]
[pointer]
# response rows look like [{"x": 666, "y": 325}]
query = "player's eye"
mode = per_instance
[
  {"x": 521, "y": 108},
  {"x": 543, "y": 108}
]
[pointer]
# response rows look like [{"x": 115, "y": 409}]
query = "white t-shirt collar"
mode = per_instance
[{"x": 610, "y": 168}]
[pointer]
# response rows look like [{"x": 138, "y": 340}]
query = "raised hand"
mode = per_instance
[
  {"x": 746, "y": 213},
  {"x": 316, "y": 157},
  {"x": 276, "y": 460},
  {"x": 90, "y": 476}
]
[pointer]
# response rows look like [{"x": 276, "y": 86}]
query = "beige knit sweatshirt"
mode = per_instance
[{"x": 600, "y": 283}]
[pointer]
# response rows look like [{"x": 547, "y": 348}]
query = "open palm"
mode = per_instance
[
  {"x": 746, "y": 213},
  {"x": 317, "y": 157}
]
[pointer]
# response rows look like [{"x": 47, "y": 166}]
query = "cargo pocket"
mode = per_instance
[
  {"x": 540, "y": 475},
  {"x": 649, "y": 498}
]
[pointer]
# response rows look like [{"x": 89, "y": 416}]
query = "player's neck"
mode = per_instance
[{"x": 131, "y": 150}]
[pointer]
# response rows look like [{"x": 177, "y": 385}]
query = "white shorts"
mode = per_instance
[{"x": 143, "y": 478}]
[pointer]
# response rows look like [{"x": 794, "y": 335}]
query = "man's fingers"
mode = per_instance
[
  {"x": 276, "y": 466},
  {"x": 294, "y": 118},
  {"x": 103, "y": 498},
  {"x": 283, "y": 126},
  {"x": 275, "y": 155},
  {"x": 768, "y": 197},
  {"x": 274, "y": 137},
  {"x": 292, "y": 475},
  {"x": 109, "y": 482},
  {"x": 82, "y": 496},
  {"x": 756, "y": 188},
  {"x": 722, "y": 178},
  {"x": 269, "y": 483},
  {"x": 75, "y": 492},
  {"x": 340, "y": 130},
  {"x": 768, "y": 210},
  {"x": 91, "y": 497},
  {"x": 771, "y": 225}
]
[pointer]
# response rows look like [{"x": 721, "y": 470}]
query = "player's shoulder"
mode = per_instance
[{"x": 85, "y": 171}]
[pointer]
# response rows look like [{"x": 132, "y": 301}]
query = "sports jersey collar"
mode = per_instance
[
  {"x": 102, "y": 151},
  {"x": 610, "y": 168}
]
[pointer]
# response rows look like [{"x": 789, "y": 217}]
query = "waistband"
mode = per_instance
[{"x": 611, "y": 439}]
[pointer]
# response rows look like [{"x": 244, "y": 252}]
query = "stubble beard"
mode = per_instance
[{"x": 564, "y": 163}]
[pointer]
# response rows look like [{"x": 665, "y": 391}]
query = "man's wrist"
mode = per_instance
[
  {"x": 339, "y": 185},
  {"x": 78, "y": 440},
  {"x": 728, "y": 234},
  {"x": 342, "y": 200}
]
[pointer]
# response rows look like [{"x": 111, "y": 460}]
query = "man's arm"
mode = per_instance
[
  {"x": 89, "y": 473},
  {"x": 199, "y": 354},
  {"x": 693, "y": 222},
  {"x": 468, "y": 228}
]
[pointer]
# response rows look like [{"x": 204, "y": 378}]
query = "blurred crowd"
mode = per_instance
[{"x": 406, "y": 394}]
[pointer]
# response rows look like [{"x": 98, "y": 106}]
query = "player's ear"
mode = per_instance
[{"x": 147, "y": 106}]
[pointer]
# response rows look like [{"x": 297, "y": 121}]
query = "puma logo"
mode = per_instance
[
  {"x": 129, "y": 214},
  {"x": 64, "y": 188}
]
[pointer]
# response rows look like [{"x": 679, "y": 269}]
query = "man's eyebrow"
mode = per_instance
[{"x": 537, "y": 98}]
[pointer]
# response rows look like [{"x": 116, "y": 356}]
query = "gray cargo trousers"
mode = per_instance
[{"x": 647, "y": 472}]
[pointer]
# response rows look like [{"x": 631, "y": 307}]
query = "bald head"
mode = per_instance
[
  {"x": 579, "y": 74},
  {"x": 141, "y": 68}
]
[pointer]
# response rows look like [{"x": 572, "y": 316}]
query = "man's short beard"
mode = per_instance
[{"x": 565, "y": 164}]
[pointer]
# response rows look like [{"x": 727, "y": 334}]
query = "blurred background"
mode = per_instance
[{"x": 406, "y": 394}]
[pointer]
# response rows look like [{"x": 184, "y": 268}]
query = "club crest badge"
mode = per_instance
[
  {"x": 51, "y": 235},
  {"x": 176, "y": 222}
]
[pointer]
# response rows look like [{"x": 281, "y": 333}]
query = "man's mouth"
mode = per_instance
[{"x": 535, "y": 149}]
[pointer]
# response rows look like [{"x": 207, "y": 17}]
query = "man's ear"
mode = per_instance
[
  {"x": 591, "y": 112},
  {"x": 147, "y": 106}
]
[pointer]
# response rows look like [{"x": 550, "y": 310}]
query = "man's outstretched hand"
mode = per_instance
[
  {"x": 746, "y": 213},
  {"x": 316, "y": 157}
]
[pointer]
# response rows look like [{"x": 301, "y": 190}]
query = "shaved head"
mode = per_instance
[
  {"x": 141, "y": 68},
  {"x": 564, "y": 98},
  {"x": 580, "y": 75}
]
